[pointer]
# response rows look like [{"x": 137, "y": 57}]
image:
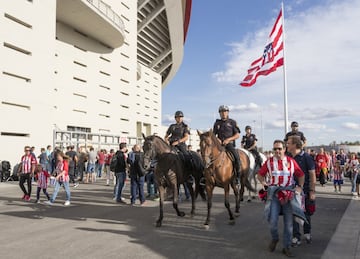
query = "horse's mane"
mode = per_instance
[
  {"x": 155, "y": 137},
  {"x": 214, "y": 140}
]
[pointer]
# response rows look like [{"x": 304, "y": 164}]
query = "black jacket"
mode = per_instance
[{"x": 121, "y": 163}]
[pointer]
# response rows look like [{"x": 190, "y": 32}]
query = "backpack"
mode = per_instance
[{"x": 113, "y": 163}]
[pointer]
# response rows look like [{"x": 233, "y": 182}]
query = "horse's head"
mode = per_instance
[
  {"x": 149, "y": 152},
  {"x": 208, "y": 142}
]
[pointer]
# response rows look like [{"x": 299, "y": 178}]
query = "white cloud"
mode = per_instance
[{"x": 351, "y": 125}]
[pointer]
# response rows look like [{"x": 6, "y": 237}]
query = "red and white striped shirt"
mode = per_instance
[
  {"x": 280, "y": 172},
  {"x": 26, "y": 162},
  {"x": 43, "y": 179},
  {"x": 63, "y": 166}
]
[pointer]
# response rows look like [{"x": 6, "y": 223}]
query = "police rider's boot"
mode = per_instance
[
  {"x": 202, "y": 181},
  {"x": 190, "y": 179}
]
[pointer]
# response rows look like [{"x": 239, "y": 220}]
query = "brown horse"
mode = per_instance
[
  {"x": 171, "y": 171},
  {"x": 219, "y": 172}
]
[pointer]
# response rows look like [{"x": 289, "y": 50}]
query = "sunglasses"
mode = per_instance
[
  {"x": 277, "y": 148},
  {"x": 26, "y": 150}
]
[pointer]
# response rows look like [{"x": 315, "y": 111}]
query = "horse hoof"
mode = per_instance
[
  {"x": 232, "y": 222},
  {"x": 158, "y": 224},
  {"x": 241, "y": 199},
  {"x": 206, "y": 227},
  {"x": 182, "y": 214},
  {"x": 249, "y": 200},
  {"x": 237, "y": 214}
]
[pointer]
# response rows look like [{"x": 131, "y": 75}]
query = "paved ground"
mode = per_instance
[{"x": 96, "y": 227}]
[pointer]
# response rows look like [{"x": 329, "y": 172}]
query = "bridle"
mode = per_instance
[{"x": 208, "y": 159}]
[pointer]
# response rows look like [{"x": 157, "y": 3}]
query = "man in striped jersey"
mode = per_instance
[
  {"x": 26, "y": 171},
  {"x": 277, "y": 176}
]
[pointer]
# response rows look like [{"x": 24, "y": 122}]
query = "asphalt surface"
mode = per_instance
[{"x": 94, "y": 226}]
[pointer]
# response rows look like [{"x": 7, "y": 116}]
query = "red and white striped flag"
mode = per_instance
[{"x": 271, "y": 59}]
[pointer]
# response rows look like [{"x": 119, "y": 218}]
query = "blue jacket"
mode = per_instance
[{"x": 296, "y": 207}]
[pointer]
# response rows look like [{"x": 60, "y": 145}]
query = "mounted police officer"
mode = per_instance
[
  {"x": 249, "y": 143},
  {"x": 178, "y": 133},
  {"x": 227, "y": 131}
]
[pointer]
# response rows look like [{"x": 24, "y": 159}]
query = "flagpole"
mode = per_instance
[{"x": 284, "y": 72}]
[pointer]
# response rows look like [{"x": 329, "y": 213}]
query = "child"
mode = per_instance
[
  {"x": 62, "y": 179},
  {"x": 338, "y": 179},
  {"x": 42, "y": 181}
]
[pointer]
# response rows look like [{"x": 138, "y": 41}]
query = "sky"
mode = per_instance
[{"x": 322, "y": 64}]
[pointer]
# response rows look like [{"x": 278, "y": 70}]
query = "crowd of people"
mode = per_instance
[
  {"x": 288, "y": 175},
  {"x": 68, "y": 168}
]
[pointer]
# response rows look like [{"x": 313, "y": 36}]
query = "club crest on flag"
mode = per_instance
[{"x": 268, "y": 55}]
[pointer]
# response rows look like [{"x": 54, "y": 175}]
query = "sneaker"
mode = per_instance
[
  {"x": 287, "y": 252},
  {"x": 272, "y": 245},
  {"x": 295, "y": 242},
  {"x": 23, "y": 197},
  {"x": 354, "y": 193},
  {"x": 27, "y": 198},
  {"x": 156, "y": 199},
  {"x": 121, "y": 202},
  {"x": 308, "y": 238},
  {"x": 76, "y": 185},
  {"x": 48, "y": 202},
  {"x": 123, "y": 199},
  {"x": 37, "y": 201},
  {"x": 67, "y": 203}
]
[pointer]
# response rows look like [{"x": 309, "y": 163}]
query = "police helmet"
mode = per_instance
[
  {"x": 179, "y": 114},
  {"x": 294, "y": 124},
  {"x": 223, "y": 108},
  {"x": 247, "y": 127}
]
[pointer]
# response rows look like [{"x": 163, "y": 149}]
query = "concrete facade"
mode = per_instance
[{"x": 58, "y": 74}]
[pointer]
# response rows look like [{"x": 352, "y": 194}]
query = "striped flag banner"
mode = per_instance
[{"x": 272, "y": 57}]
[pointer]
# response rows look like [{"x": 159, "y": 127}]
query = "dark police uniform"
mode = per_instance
[
  {"x": 248, "y": 141},
  {"x": 224, "y": 129},
  {"x": 176, "y": 132}
]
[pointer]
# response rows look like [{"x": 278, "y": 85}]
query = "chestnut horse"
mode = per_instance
[
  {"x": 171, "y": 171},
  {"x": 219, "y": 172}
]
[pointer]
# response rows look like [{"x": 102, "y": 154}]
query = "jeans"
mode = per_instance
[
  {"x": 354, "y": 176},
  {"x": 90, "y": 168},
  {"x": 57, "y": 188},
  {"x": 151, "y": 184},
  {"x": 307, "y": 226},
  {"x": 23, "y": 178},
  {"x": 120, "y": 181},
  {"x": 137, "y": 188},
  {"x": 288, "y": 221},
  {"x": 186, "y": 191},
  {"x": 99, "y": 170}
]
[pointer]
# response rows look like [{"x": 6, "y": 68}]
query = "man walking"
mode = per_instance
[
  {"x": 277, "y": 176},
  {"x": 307, "y": 165}
]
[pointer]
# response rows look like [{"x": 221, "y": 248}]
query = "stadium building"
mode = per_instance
[{"x": 86, "y": 72}]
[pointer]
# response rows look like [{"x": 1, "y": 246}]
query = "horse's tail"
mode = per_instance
[{"x": 248, "y": 185}]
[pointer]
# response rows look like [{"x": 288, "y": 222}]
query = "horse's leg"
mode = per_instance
[
  {"x": 242, "y": 187},
  {"x": 209, "y": 192},
  {"x": 162, "y": 197},
  {"x": 192, "y": 193},
  {"x": 176, "y": 200},
  {"x": 227, "y": 204},
  {"x": 237, "y": 197}
]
